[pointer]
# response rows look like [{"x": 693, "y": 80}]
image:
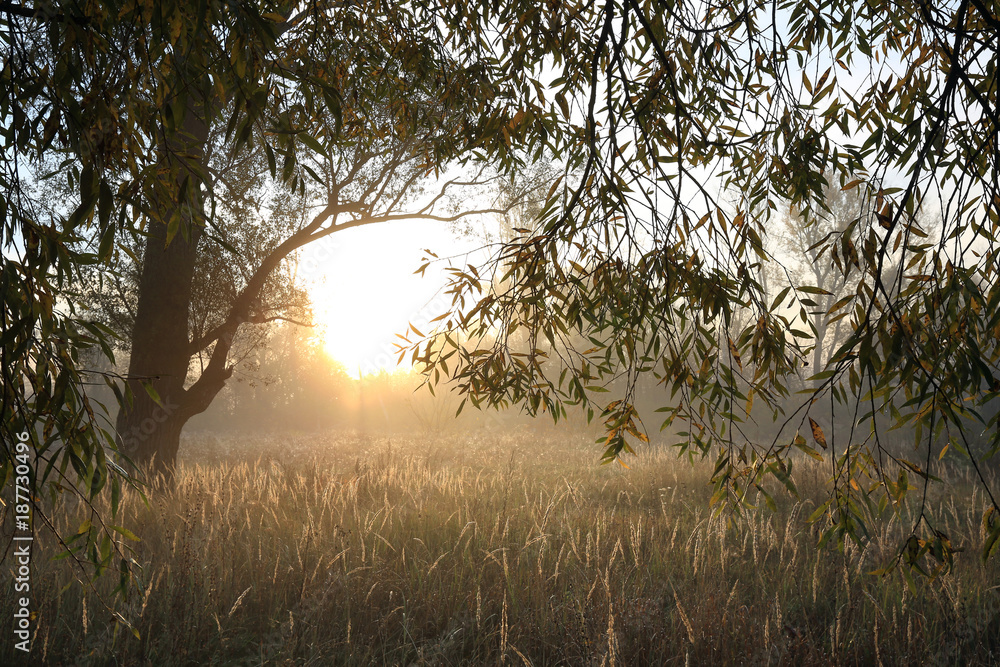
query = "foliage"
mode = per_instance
[
  {"x": 692, "y": 126},
  {"x": 251, "y": 217}
]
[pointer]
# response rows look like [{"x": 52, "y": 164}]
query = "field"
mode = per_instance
[{"x": 499, "y": 549}]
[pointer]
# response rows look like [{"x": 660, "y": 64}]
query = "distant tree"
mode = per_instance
[
  {"x": 801, "y": 240},
  {"x": 291, "y": 384}
]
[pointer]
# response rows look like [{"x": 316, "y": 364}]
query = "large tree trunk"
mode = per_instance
[{"x": 149, "y": 432}]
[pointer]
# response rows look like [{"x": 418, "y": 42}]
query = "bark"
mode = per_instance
[{"x": 149, "y": 432}]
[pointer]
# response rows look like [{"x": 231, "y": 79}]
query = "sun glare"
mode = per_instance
[{"x": 364, "y": 292}]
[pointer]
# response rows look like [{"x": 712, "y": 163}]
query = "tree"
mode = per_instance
[
  {"x": 800, "y": 238},
  {"x": 386, "y": 125},
  {"x": 251, "y": 219},
  {"x": 663, "y": 104},
  {"x": 355, "y": 106}
]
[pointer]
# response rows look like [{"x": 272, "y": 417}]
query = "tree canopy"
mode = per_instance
[{"x": 692, "y": 127}]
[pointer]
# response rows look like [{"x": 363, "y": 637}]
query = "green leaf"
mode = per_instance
[
  {"x": 312, "y": 143},
  {"x": 800, "y": 443},
  {"x": 819, "y": 512},
  {"x": 125, "y": 532},
  {"x": 148, "y": 386},
  {"x": 992, "y": 535},
  {"x": 809, "y": 289}
]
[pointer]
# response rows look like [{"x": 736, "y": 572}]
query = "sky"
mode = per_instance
[{"x": 364, "y": 292}]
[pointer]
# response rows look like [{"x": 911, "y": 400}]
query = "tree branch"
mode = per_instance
[{"x": 260, "y": 319}]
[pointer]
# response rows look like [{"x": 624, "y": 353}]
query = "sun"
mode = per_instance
[
  {"x": 353, "y": 332},
  {"x": 364, "y": 291}
]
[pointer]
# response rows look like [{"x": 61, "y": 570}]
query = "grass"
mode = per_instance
[{"x": 487, "y": 550}]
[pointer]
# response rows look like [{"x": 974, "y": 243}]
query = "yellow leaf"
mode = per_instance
[
  {"x": 736, "y": 353},
  {"x": 885, "y": 216},
  {"x": 817, "y": 433}
]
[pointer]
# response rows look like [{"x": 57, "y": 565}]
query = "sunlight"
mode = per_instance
[{"x": 364, "y": 292}]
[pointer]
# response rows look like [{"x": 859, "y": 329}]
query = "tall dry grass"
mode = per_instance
[{"x": 499, "y": 550}]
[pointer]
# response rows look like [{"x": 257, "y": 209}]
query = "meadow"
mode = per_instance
[{"x": 494, "y": 549}]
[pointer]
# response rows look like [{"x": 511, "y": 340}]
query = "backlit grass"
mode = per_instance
[{"x": 499, "y": 550}]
